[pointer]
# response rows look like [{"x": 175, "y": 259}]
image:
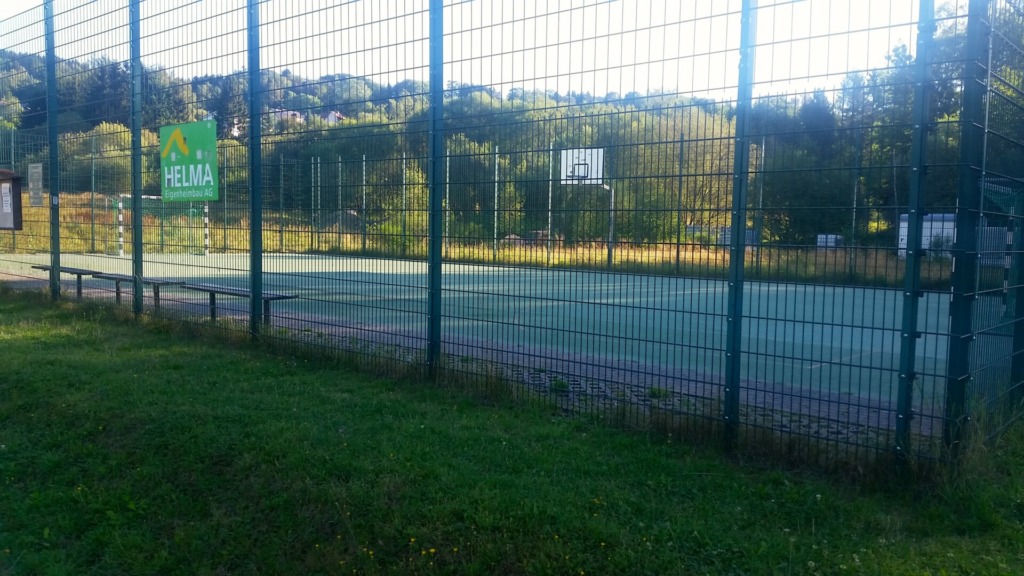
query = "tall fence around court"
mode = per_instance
[{"x": 785, "y": 223}]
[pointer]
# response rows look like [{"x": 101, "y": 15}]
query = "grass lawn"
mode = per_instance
[{"x": 134, "y": 449}]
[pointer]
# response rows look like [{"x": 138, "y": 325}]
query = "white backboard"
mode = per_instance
[{"x": 583, "y": 166}]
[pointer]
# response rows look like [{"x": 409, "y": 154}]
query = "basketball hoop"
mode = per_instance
[{"x": 583, "y": 166}]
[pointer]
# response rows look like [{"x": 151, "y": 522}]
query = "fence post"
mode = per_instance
[
  {"x": 435, "y": 174},
  {"x": 912, "y": 293},
  {"x": 135, "y": 47},
  {"x": 255, "y": 172},
  {"x": 737, "y": 240},
  {"x": 965, "y": 249},
  {"x": 53, "y": 144}
]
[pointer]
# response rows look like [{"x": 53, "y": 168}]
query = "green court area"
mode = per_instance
[{"x": 837, "y": 343}]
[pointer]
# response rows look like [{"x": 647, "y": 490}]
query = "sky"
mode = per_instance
[{"x": 596, "y": 46}]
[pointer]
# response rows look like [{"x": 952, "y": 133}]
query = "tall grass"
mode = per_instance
[{"x": 86, "y": 228}]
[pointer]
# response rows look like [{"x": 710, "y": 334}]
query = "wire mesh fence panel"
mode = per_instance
[
  {"x": 23, "y": 142},
  {"x": 23, "y": 153},
  {"x": 784, "y": 224},
  {"x": 829, "y": 150},
  {"x": 997, "y": 375},
  {"x": 344, "y": 195},
  {"x": 586, "y": 184}
]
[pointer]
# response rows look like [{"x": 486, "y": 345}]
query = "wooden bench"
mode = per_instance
[
  {"x": 79, "y": 272},
  {"x": 214, "y": 289},
  {"x": 155, "y": 283}
]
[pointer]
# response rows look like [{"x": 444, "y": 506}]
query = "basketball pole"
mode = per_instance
[{"x": 576, "y": 170}]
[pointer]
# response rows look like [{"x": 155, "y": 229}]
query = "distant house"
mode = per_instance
[
  {"x": 333, "y": 117},
  {"x": 938, "y": 238},
  {"x": 280, "y": 115}
]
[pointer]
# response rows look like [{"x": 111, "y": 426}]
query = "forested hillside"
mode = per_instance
[{"x": 830, "y": 160}]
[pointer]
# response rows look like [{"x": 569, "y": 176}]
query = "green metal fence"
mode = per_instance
[{"x": 787, "y": 224}]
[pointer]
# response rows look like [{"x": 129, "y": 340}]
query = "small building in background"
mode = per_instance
[
  {"x": 829, "y": 241},
  {"x": 938, "y": 235}
]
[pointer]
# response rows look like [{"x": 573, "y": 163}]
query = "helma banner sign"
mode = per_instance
[{"x": 188, "y": 162}]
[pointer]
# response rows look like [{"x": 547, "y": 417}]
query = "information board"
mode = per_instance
[{"x": 35, "y": 184}]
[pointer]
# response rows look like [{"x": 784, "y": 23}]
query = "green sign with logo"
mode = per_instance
[{"x": 188, "y": 162}]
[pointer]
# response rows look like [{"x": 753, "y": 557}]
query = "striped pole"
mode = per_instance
[
  {"x": 447, "y": 201},
  {"x": 494, "y": 254},
  {"x": 551, "y": 180},
  {"x": 364, "y": 214},
  {"x": 206, "y": 228},
  {"x": 280, "y": 204},
  {"x": 405, "y": 207},
  {"x": 338, "y": 205},
  {"x": 120, "y": 226}
]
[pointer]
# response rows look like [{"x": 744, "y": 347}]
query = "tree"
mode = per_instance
[
  {"x": 10, "y": 111},
  {"x": 802, "y": 192},
  {"x": 107, "y": 93},
  {"x": 471, "y": 187},
  {"x": 167, "y": 100},
  {"x": 101, "y": 155},
  {"x": 347, "y": 94}
]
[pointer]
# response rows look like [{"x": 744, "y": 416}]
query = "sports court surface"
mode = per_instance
[{"x": 830, "y": 340}]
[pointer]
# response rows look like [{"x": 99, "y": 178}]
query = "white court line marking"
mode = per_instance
[
  {"x": 849, "y": 358},
  {"x": 801, "y": 364}
]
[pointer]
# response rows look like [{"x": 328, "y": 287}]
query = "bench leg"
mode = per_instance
[
  {"x": 266, "y": 312},
  {"x": 78, "y": 286},
  {"x": 213, "y": 307},
  {"x": 156, "y": 296},
  {"x": 117, "y": 291}
]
